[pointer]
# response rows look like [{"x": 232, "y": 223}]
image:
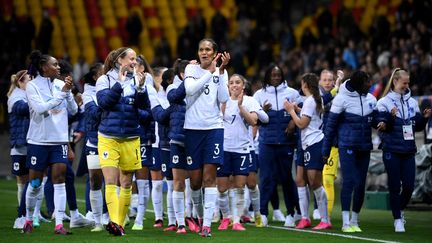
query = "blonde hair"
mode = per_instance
[
  {"x": 15, "y": 78},
  {"x": 396, "y": 74}
]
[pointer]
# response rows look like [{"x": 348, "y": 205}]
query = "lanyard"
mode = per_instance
[{"x": 402, "y": 113}]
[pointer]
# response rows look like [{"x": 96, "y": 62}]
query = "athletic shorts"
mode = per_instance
[
  {"x": 234, "y": 164},
  {"x": 164, "y": 156},
  {"x": 92, "y": 157},
  {"x": 178, "y": 158},
  {"x": 331, "y": 168},
  {"x": 19, "y": 167},
  {"x": 205, "y": 147},
  {"x": 313, "y": 157},
  {"x": 40, "y": 157},
  {"x": 123, "y": 153},
  {"x": 253, "y": 165},
  {"x": 148, "y": 155}
]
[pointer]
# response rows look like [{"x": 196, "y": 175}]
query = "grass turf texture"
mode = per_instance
[{"x": 376, "y": 224}]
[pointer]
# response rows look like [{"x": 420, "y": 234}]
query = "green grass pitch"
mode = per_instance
[{"x": 377, "y": 225}]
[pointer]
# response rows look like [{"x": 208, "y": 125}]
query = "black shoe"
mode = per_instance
[{"x": 115, "y": 229}]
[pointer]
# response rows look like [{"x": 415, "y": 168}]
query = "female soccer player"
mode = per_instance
[
  {"x": 351, "y": 118},
  {"x": 206, "y": 88},
  {"x": 92, "y": 116},
  {"x": 310, "y": 123},
  {"x": 19, "y": 119},
  {"x": 329, "y": 85},
  {"x": 401, "y": 117},
  {"x": 50, "y": 102},
  {"x": 239, "y": 113},
  {"x": 121, "y": 94}
]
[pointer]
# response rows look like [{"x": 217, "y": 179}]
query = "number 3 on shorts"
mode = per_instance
[{"x": 216, "y": 150}]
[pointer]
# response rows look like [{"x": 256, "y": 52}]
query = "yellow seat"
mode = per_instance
[{"x": 147, "y": 3}]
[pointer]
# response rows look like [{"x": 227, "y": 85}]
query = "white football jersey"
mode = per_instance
[
  {"x": 236, "y": 134},
  {"x": 313, "y": 132}
]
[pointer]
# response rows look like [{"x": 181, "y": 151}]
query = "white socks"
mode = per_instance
[
  {"x": 321, "y": 198},
  {"x": 247, "y": 201},
  {"x": 20, "y": 189},
  {"x": 59, "y": 202},
  {"x": 345, "y": 218},
  {"x": 178, "y": 199},
  {"x": 188, "y": 198},
  {"x": 224, "y": 204},
  {"x": 303, "y": 201},
  {"x": 354, "y": 218},
  {"x": 143, "y": 198},
  {"x": 196, "y": 196},
  {"x": 31, "y": 201},
  {"x": 170, "y": 207},
  {"x": 210, "y": 197},
  {"x": 96, "y": 202},
  {"x": 157, "y": 199},
  {"x": 255, "y": 199},
  {"x": 239, "y": 202},
  {"x": 39, "y": 198},
  {"x": 232, "y": 201}
]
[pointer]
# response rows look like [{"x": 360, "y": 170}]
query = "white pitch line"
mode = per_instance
[{"x": 332, "y": 234}]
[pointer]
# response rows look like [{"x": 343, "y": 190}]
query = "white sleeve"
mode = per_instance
[
  {"x": 38, "y": 104},
  {"x": 102, "y": 83},
  {"x": 223, "y": 92},
  {"x": 193, "y": 85},
  {"x": 308, "y": 108},
  {"x": 153, "y": 96},
  {"x": 255, "y": 107},
  {"x": 72, "y": 106},
  {"x": 337, "y": 104}
]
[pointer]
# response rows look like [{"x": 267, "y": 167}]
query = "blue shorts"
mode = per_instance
[
  {"x": 299, "y": 157},
  {"x": 146, "y": 155},
  {"x": 313, "y": 159},
  {"x": 165, "y": 162},
  {"x": 19, "y": 165},
  {"x": 253, "y": 165},
  {"x": 40, "y": 157},
  {"x": 178, "y": 157},
  {"x": 205, "y": 147},
  {"x": 91, "y": 151},
  {"x": 234, "y": 164}
]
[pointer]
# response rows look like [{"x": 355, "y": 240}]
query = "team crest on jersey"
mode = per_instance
[
  {"x": 105, "y": 155},
  {"x": 33, "y": 160},
  {"x": 371, "y": 106},
  {"x": 92, "y": 152},
  {"x": 175, "y": 159},
  {"x": 16, "y": 166},
  {"x": 189, "y": 160},
  {"x": 215, "y": 79},
  {"x": 349, "y": 151}
]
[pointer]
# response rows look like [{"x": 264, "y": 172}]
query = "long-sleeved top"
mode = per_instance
[
  {"x": 408, "y": 115},
  {"x": 204, "y": 92},
  {"x": 49, "y": 108},
  {"x": 19, "y": 118},
  {"x": 122, "y": 103},
  {"x": 351, "y": 119},
  {"x": 273, "y": 132}
]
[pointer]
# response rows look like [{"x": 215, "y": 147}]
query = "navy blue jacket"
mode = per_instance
[
  {"x": 351, "y": 119},
  {"x": 408, "y": 113}
]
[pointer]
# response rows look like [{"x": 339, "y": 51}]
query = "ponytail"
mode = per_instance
[
  {"x": 113, "y": 56},
  {"x": 15, "y": 78},
  {"x": 396, "y": 74},
  {"x": 312, "y": 80}
]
